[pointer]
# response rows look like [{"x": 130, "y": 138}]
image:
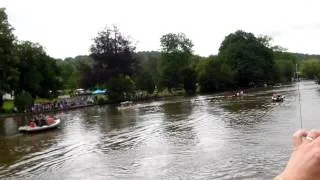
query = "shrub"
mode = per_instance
[
  {"x": 8, "y": 106},
  {"x": 120, "y": 88},
  {"x": 101, "y": 100},
  {"x": 23, "y": 101}
]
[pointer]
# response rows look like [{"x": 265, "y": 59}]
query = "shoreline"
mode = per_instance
[
  {"x": 51, "y": 111},
  {"x": 141, "y": 99}
]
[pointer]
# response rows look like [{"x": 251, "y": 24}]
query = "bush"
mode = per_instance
[
  {"x": 101, "y": 100},
  {"x": 8, "y": 106},
  {"x": 120, "y": 88},
  {"x": 23, "y": 101}
]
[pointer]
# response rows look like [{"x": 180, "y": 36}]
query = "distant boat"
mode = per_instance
[
  {"x": 124, "y": 105},
  {"x": 40, "y": 128},
  {"x": 277, "y": 98}
]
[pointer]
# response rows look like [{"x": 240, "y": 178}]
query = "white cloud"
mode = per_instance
[{"x": 66, "y": 27}]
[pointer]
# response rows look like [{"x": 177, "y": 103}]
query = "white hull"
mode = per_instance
[{"x": 42, "y": 128}]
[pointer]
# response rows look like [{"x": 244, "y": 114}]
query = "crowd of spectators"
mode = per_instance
[{"x": 63, "y": 104}]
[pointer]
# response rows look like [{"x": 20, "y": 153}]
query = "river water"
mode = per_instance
[{"x": 201, "y": 137}]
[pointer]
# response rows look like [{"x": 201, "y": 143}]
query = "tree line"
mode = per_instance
[{"x": 243, "y": 61}]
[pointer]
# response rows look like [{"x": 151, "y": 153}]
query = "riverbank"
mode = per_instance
[
  {"x": 138, "y": 98},
  {"x": 5, "y": 115}
]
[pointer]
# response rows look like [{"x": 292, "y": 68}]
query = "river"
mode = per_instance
[{"x": 201, "y": 137}]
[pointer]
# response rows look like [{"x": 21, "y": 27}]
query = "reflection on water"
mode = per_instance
[{"x": 201, "y": 137}]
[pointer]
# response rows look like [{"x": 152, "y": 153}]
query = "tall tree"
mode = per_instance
[
  {"x": 113, "y": 55},
  {"x": 214, "y": 75},
  {"x": 149, "y": 63},
  {"x": 9, "y": 73},
  {"x": 285, "y": 65},
  {"x": 114, "y": 63},
  {"x": 30, "y": 74},
  {"x": 251, "y": 61},
  {"x": 72, "y": 70},
  {"x": 39, "y": 73},
  {"x": 176, "y": 54}
]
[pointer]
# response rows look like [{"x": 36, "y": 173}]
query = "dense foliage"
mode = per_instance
[
  {"x": 189, "y": 76},
  {"x": 145, "y": 82},
  {"x": 251, "y": 61},
  {"x": 113, "y": 56},
  {"x": 214, "y": 75},
  {"x": 176, "y": 54},
  {"x": 25, "y": 67},
  {"x": 72, "y": 69},
  {"x": 9, "y": 75},
  {"x": 114, "y": 63},
  {"x": 286, "y": 64},
  {"x": 311, "y": 69},
  {"x": 39, "y": 73},
  {"x": 23, "y": 101}
]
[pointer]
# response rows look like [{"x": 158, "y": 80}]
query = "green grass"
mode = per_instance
[{"x": 8, "y": 106}]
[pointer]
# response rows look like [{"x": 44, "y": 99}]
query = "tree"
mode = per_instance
[
  {"x": 285, "y": 64},
  {"x": 69, "y": 75},
  {"x": 39, "y": 73},
  {"x": 250, "y": 59},
  {"x": 149, "y": 62},
  {"x": 113, "y": 56},
  {"x": 8, "y": 62},
  {"x": 52, "y": 79},
  {"x": 74, "y": 71},
  {"x": 114, "y": 64},
  {"x": 120, "y": 88},
  {"x": 266, "y": 41},
  {"x": 176, "y": 54},
  {"x": 189, "y": 80},
  {"x": 23, "y": 101},
  {"x": 311, "y": 69},
  {"x": 145, "y": 82},
  {"x": 214, "y": 75},
  {"x": 86, "y": 79}
]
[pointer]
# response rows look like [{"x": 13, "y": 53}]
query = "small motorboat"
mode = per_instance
[
  {"x": 277, "y": 98},
  {"x": 54, "y": 124}
]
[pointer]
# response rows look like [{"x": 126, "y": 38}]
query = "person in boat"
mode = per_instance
[
  {"x": 32, "y": 123},
  {"x": 305, "y": 158},
  {"x": 43, "y": 120},
  {"x": 37, "y": 120},
  {"x": 50, "y": 120}
]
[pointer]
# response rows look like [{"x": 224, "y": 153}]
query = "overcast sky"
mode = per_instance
[{"x": 66, "y": 27}]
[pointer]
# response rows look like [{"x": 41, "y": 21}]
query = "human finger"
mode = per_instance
[
  {"x": 297, "y": 138},
  {"x": 312, "y": 135}
]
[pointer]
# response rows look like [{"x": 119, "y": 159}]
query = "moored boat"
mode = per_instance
[{"x": 28, "y": 128}]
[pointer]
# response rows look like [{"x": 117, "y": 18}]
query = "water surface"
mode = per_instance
[{"x": 202, "y": 137}]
